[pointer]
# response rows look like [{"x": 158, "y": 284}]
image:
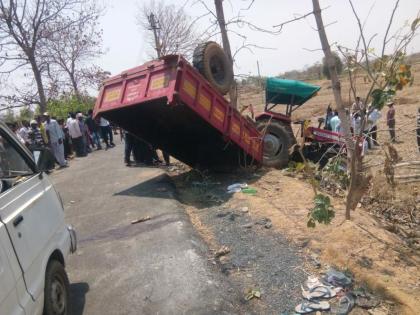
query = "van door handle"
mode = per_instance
[{"x": 17, "y": 221}]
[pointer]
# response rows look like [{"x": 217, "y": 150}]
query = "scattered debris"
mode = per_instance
[
  {"x": 315, "y": 261},
  {"x": 345, "y": 304},
  {"x": 337, "y": 278},
  {"x": 223, "y": 214},
  {"x": 236, "y": 187},
  {"x": 141, "y": 220},
  {"x": 266, "y": 222},
  {"x": 309, "y": 307},
  {"x": 244, "y": 210},
  {"x": 250, "y": 191},
  {"x": 251, "y": 293},
  {"x": 222, "y": 251}
]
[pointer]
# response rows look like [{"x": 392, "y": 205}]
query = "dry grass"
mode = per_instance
[{"x": 393, "y": 269}]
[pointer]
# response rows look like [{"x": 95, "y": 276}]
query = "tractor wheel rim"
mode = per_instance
[
  {"x": 58, "y": 296},
  {"x": 272, "y": 145}
]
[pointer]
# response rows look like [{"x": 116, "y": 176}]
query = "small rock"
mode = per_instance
[
  {"x": 263, "y": 221},
  {"x": 222, "y": 251},
  {"x": 72, "y": 201},
  {"x": 268, "y": 225},
  {"x": 233, "y": 216},
  {"x": 248, "y": 275},
  {"x": 244, "y": 209},
  {"x": 359, "y": 205},
  {"x": 223, "y": 214}
]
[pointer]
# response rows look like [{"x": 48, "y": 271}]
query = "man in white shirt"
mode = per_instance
[
  {"x": 106, "y": 132},
  {"x": 335, "y": 122},
  {"x": 373, "y": 118},
  {"x": 75, "y": 134},
  {"x": 24, "y": 132},
  {"x": 55, "y": 136}
]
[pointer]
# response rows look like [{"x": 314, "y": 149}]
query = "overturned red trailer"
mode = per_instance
[{"x": 169, "y": 104}]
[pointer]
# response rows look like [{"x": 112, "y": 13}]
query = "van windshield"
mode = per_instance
[{"x": 12, "y": 164}]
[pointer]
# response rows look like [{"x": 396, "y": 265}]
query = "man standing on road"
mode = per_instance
[
  {"x": 390, "y": 120},
  {"x": 93, "y": 129},
  {"x": 55, "y": 139},
  {"x": 106, "y": 132},
  {"x": 75, "y": 134}
]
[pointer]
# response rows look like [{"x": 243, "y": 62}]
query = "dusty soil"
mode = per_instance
[
  {"x": 259, "y": 259},
  {"x": 380, "y": 244},
  {"x": 285, "y": 253}
]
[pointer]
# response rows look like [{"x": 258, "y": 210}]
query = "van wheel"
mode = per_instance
[
  {"x": 211, "y": 61},
  {"x": 277, "y": 142},
  {"x": 56, "y": 292}
]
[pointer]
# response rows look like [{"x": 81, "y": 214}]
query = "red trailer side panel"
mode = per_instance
[{"x": 170, "y": 105}]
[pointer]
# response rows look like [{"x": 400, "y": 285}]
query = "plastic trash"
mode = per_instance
[
  {"x": 250, "y": 191},
  {"x": 235, "y": 190},
  {"x": 236, "y": 186}
]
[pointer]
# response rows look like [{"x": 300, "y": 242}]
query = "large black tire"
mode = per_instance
[
  {"x": 211, "y": 61},
  {"x": 56, "y": 290},
  {"x": 277, "y": 142}
]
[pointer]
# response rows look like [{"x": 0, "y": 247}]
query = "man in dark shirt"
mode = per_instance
[
  {"x": 93, "y": 129},
  {"x": 390, "y": 120}
]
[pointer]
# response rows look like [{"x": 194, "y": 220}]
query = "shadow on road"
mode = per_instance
[
  {"x": 78, "y": 297},
  {"x": 156, "y": 187}
]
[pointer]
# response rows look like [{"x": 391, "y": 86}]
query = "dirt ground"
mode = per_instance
[{"x": 371, "y": 245}]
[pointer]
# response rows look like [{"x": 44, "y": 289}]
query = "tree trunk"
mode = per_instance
[
  {"x": 226, "y": 47},
  {"x": 39, "y": 85},
  {"x": 353, "y": 192},
  {"x": 336, "y": 85}
]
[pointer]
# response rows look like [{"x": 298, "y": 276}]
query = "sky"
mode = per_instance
[{"x": 126, "y": 44}]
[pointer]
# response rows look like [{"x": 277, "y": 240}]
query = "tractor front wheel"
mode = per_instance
[{"x": 277, "y": 141}]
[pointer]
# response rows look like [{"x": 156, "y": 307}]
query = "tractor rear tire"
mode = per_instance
[
  {"x": 277, "y": 142},
  {"x": 211, "y": 61}
]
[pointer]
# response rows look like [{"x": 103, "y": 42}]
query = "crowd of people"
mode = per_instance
[
  {"x": 358, "y": 110},
  {"x": 58, "y": 140}
]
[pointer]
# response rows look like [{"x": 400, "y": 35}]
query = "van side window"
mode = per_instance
[{"x": 12, "y": 163}]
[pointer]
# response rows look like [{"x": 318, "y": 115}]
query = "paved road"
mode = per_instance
[{"x": 154, "y": 267}]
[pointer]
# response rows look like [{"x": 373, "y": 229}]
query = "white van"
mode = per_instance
[{"x": 34, "y": 239}]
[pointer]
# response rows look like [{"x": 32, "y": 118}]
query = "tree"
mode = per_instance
[
  {"x": 60, "y": 107},
  {"x": 71, "y": 51},
  {"x": 25, "y": 26},
  {"x": 338, "y": 66},
  {"x": 175, "y": 30}
]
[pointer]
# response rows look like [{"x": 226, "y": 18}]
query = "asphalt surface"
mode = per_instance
[{"x": 154, "y": 267}]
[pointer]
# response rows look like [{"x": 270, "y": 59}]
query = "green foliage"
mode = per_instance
[
  {"x": 322, "y": 212},
  {"x": 60, "y": 108},
  {"x": 381, "y": 97},
  {"x": 336, "y": 171},
  {"x": 8, "y": 116},
  {"x": 25, "y": 114},
  {"x": 338, "y": 66},
  {"x": 397, "y": 75}
]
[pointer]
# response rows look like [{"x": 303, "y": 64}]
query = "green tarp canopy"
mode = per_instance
[{"x": 282, "y": 91}]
